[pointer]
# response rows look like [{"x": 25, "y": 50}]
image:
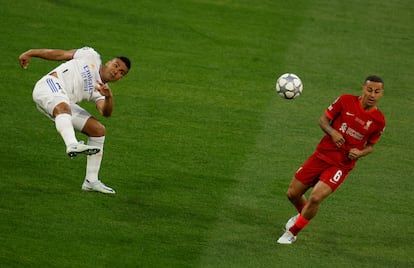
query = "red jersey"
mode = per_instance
[{"x": 357, "y": 126}]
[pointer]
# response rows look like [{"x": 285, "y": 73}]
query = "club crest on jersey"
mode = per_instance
[{"x": 368, "y": 124}]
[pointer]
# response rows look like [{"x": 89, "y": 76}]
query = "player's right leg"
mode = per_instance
[
  {"x": 64, "y": 125},
  {"x": 305, "y": 177},
  {"x": 296, "y": 196},
  {"x": 295, "y": 193},
  {"x": 51, "y": 100}
]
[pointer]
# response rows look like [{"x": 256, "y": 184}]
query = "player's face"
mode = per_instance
[
  {"x": 113, "y": 70},
  {"x": 371, "y": 94}
]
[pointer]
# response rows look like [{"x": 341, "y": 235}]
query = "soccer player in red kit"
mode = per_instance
[{"x": 353, "y": 124}]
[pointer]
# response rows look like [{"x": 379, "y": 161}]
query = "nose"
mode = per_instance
[{"x": 373, "y": 93}]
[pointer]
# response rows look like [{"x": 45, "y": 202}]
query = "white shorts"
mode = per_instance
[{"x": 48, "y": 93}]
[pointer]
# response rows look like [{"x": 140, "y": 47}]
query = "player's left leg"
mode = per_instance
[
  {"x": 319, "y": 192},
  {"x": 90, "y": 126}
]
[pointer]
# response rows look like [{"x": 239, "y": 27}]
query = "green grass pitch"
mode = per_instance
[{"x": 200, "y": 148}]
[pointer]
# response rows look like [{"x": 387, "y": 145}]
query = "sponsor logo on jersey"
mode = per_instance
[
  {"x": 351, "y": 132},
  {"x": 87, "y": 79}
]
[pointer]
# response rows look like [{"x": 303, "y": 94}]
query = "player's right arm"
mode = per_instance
[
  {"x": 325, "y": 124},
  {"x": 45, "y": 53}
]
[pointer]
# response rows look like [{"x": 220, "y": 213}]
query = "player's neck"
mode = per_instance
[{"x": 103, "y": 80}]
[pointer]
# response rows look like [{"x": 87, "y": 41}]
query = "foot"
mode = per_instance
[
  {"x": 80, "y": 148},
  {"x": 291, "y": 222},
  {"x": 287, "y": 238},
  {"x": 97, "y": 186}
]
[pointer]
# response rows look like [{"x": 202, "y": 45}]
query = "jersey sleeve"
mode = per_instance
[
  {"x": 334, "y": 109},
  {"x": 374, "y": 138},
  {"x": 85, "y": 52},
  {"x": 97, "y": 97}
]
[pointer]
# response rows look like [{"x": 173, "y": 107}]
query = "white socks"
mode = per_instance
[
  {"x": 93, "y": 162},
  {"x": 63, "y": 123},
  {"x": 64, "y": 126}
]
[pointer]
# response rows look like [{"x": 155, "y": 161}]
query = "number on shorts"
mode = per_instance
[{"x": 337, "y": 177}]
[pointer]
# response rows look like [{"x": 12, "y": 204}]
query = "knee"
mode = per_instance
[
  {"x": 319, "y": 193},
  {"x": 315, "y": 199},
  {"x": 100, "y": 130},
  {"x": 292, "y": 195},
  {"x": 94, "y": 128},
  {"x": 295, "y": 190},
  {"x": 61, "y": 108}
]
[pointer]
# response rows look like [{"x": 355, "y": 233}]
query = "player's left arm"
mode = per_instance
[
  {"x": 105, "y": 106},
  {"x": 355, "y": 153}
]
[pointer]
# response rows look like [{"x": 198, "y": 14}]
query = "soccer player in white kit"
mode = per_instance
[{"x": 81, "y": 78}]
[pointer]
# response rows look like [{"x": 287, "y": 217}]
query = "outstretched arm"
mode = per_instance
[{"x": 47, "y": 54}]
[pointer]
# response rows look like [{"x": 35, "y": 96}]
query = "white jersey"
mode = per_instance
[{"x": 80, "y": 75}]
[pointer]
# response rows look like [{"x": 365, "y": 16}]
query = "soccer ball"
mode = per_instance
[{"x": 289, "y": 86}]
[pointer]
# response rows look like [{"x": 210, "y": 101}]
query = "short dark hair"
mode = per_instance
[
  {"x": 126, "y": 61},
  {"x": 374, "y": 78}
]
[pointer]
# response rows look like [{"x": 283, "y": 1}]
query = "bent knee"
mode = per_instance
[
  {"x": 319, "y": 193},
  {"x": 61, "y": 108},
  {"x": 296, "y": 189},
  {"x": 100, "y": 130},
  {"x": 93, "y": 128},
  {"x": 316, "y": 198},
  {"x": 291, "y": 194}
]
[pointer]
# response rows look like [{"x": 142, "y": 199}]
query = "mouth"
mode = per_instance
[{"x": 371, "y": 101}]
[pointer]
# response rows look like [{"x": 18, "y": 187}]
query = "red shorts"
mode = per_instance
[{"x": 315, "y": 169}]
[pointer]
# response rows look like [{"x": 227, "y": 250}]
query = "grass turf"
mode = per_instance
[{"x": 200, "y": 149}]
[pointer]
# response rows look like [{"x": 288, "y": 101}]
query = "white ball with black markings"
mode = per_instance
[{"x": 289, "y": 86}]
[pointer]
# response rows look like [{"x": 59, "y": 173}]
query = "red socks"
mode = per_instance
[{"x": 300, "y": 223}]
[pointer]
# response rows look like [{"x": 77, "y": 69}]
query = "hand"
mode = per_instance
[
  {"x": 337, "y": 138},
  {"x": 104, "y": 89},
  {"x": 24, "y": 60},
  {"x": 354, "y": 154}
]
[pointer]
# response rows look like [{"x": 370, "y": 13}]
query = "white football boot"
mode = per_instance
[
  {"x": 97, "y": 186},
  {"x": 80, "y": 148},
  {"x": 287, "y": 238}
]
